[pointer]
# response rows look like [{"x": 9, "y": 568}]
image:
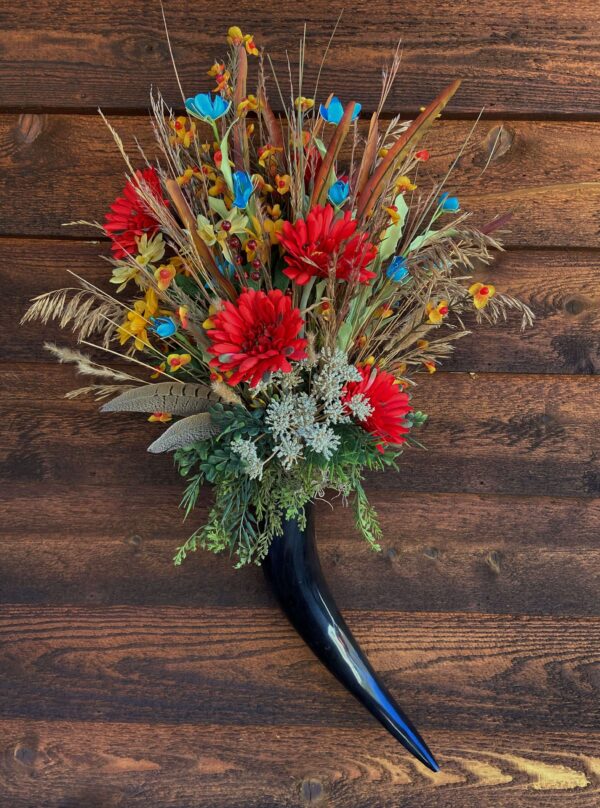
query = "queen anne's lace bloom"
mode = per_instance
[
  {"x": 359, "y": 406},
  {"x": 299, "y": 420},
  {"x": 289, "y": 450},
  {"x": 279, "y": 414},
  {"x": 293, "y": 420},
  {"x": 321, "y": 439},
  {"x": 246, "y": 450},
  {"x": 328, "y": 384}
]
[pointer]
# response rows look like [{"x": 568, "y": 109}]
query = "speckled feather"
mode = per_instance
[
  {"x": 184, "y": 433},
  {"x": 173, "y": 397}
]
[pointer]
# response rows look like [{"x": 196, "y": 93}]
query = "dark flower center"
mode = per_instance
[{"x": 260, "y": 339}]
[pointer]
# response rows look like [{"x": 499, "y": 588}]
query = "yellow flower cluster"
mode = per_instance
[
  {"x": 235, "y": 37},
  {"x": 136, "y": 322}
]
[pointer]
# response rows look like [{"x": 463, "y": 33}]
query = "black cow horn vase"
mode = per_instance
[{"x": 293, "y": 569}]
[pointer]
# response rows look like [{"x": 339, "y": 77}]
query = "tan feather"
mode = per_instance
[
  {"x": 173, "y": 397},
  {"x": 185, "y": 433}
]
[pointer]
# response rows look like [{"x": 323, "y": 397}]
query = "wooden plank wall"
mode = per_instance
[{"x": 124, "y": 682}]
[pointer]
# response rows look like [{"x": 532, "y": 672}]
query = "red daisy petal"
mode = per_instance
[
  {"x": 130, "y": 217},
  {"x": 390, "y": 404},
  {"x": 258, "y": 334},
  {"x": 313, "y": 245}
]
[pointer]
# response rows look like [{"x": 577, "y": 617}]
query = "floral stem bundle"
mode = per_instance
[{"x": 280, "y": 283}]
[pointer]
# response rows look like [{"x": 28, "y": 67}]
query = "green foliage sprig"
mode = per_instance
[{"x": 248, "y": 513}]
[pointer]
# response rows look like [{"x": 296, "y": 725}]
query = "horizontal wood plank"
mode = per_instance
[
  {"x": 444, "y": 552},
  {"x": 536, "y": 59},
  {"x": 562, "y": 288},
  {"x": 127, "y": 682},
  {"x": 215, "y": 666},
  {"x": 60, "y": 168},
  {"x": 68, "y": 764},
  {"x": 487, "y": 433}
]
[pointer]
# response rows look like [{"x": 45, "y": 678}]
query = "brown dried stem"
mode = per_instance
[
  {"x": 369, "y": 154},
  {"x": 240, "y": 136},
  {"x": 374, "y": 187},
  {"x": 208, "y": 262},
  {"x": 337, "y": 141}
]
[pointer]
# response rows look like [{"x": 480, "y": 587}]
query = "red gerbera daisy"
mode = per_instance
[
  {"x": 320, "y": 242},
  {"x": 129, "y": 217},
  {"x": 256, "y": 335},
  {"x": 389, "y": 404}
]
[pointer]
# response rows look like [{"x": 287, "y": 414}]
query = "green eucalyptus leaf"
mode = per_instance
[
  {"x": 187, "y": 285},
  {"x": 320, "y": 146},
  {"x": 344, "y": 335},
  {"x": 419, "y": 241},
  {"x": 280, "y": 281}
]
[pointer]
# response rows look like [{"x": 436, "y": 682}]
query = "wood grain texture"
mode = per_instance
[
  {"x": 118, "y": 765},
  {"x": 101, "y": 545},
  {"x": 541, "y": 58},
  {"x": 60, "y": 168},
  {"x": 562, "y": 288},
  {"x": 125, "y": 682},
  {"x": 213, "y": 666}
]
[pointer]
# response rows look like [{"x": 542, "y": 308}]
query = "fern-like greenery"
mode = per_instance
[{"x": 247, "y": 513}]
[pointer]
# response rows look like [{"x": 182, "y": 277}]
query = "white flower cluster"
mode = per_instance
[
  {"x": 360, "y": 406},
  {"x": 286, "y": 418},
  {"x": 299, "y": 420},
  {"x": 329, "y": 382},
  {"x": 320, "y": 438},
  {"x": 286, "y": 381},
  {"x": 291, "y": 412},
  {"x": 246, "y": 450}
]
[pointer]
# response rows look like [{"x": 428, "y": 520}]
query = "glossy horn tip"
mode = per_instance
[
  {"x": 425, "y": 756},
  {"x": 292, "y": 568}
]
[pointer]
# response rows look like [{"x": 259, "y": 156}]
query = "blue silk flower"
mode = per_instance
[
  {"x": 339, "y": 193},
  {"x": 333, "y": 112},
  {"x": 207, "y": 106},
  {"x": 164, "y": 326},
  {"x": 242, "y": 189},
  {"x": 449, "y": 204},
  {"x": 397, "y": 270}
]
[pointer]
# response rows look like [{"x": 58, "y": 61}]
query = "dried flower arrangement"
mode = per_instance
[{"x": 292, "y": 276}]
